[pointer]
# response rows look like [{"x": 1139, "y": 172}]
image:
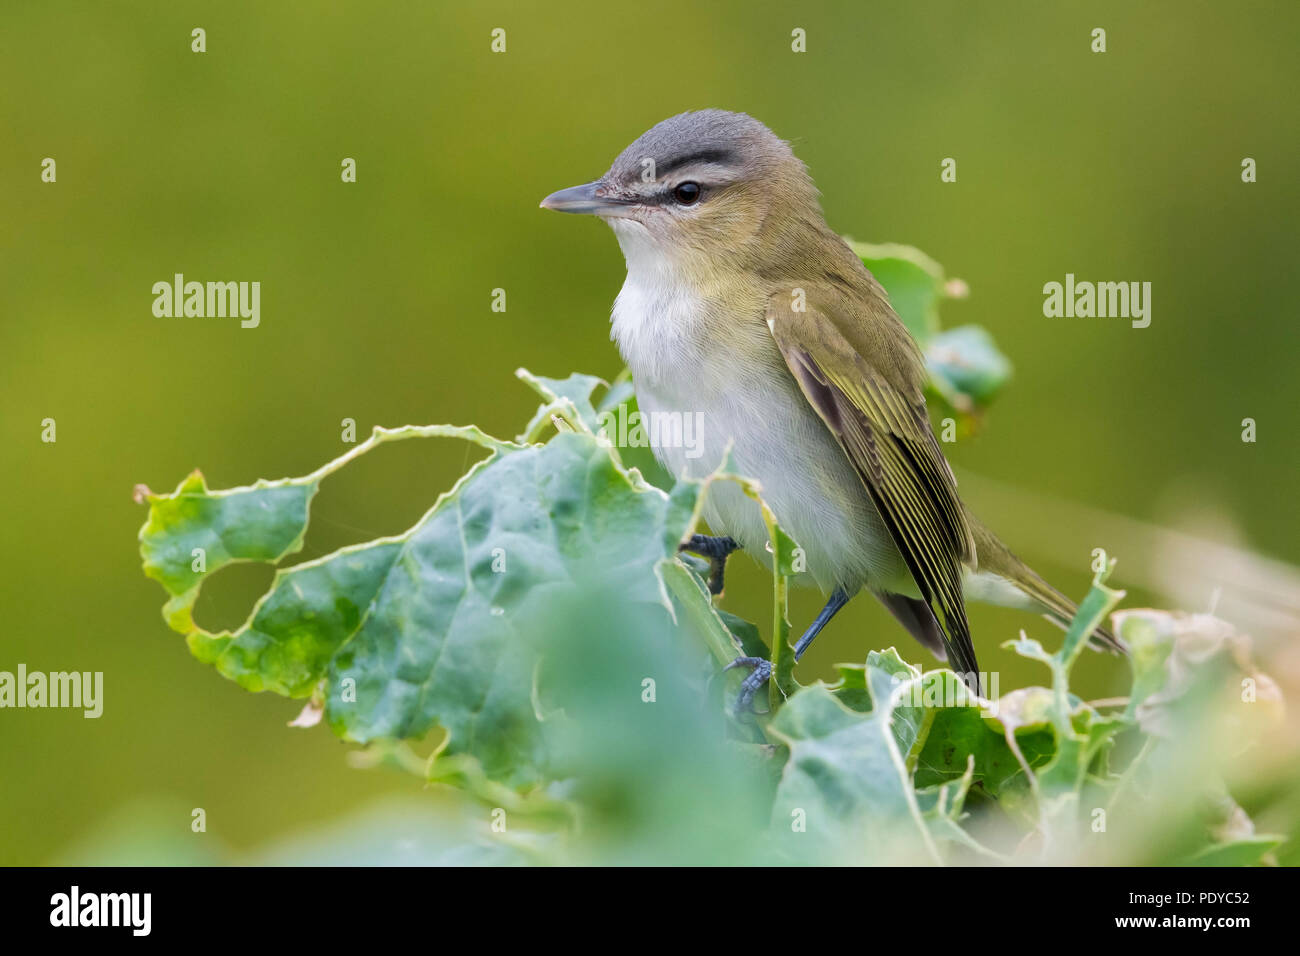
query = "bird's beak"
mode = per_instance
[{"x": 584, "y": 199}]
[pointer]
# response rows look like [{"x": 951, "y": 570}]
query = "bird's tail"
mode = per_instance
[{"x": 996, "y": 557}]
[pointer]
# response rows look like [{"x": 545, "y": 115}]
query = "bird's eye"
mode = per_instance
[{"x": 687, "y": 194}]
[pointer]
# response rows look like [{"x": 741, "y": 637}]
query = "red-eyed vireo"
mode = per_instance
[{"x": 741, "y": 305}]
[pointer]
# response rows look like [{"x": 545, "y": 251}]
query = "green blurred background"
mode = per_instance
[{"x": 376, "y": 306}]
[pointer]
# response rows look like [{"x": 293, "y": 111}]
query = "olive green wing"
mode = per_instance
[{"x": 862, "y": 373}]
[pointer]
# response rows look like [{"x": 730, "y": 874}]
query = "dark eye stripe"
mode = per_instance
[{"x": 720, "y": 157}]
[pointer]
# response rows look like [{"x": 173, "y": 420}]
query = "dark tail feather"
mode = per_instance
[{"x": 919, "y": 619}]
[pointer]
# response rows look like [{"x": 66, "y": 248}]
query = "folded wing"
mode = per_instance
[{"x": 870, "y": 397}]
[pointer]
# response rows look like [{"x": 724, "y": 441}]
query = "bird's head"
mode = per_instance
[{"x": 699, "y": 189}]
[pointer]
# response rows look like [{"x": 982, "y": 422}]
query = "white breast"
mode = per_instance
[{"x": 725, "y": 371}]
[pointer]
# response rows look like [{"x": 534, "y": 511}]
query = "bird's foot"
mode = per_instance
[
  {"x": 758, "y": 676},
  {"x": 716, "y": 549}
]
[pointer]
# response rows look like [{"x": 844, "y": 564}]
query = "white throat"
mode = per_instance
[{"x": 660, "y": 312}]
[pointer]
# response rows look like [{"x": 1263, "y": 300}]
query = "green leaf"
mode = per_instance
[
  {"x": 1249, "y": 852},
  {"x": 746, "y": 634},
  {"x": 193, "y": 533},
  {"x": 846, "y": 793},
  {"x": 914, "y": 281},
  {"x": 851, "y": 689},
  {"x": 1149, "y": 649},
  {"x": 435, "y": 626},
  {"x": 966, "y": 367},
  {"x": 620, "y": 419},
  {"x": 570, "y": 396},
  {"x": 541, "y": 618},
  {"x": 962, "y": 734},
  {"x": 446, "y": 638},
  {"x": 310, "y": 611}
]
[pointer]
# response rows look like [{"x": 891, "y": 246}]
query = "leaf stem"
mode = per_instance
[{"x": 381, "y": 435}]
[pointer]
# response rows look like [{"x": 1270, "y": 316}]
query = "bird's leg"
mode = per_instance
[
  {"x": 716, "y": 549},
  {"x": 758, "y": 676},
  {"x": 762, "y": 669},
  {"x": 838, "y": 600}
]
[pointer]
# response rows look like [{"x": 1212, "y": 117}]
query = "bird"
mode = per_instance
[{"x": 742, "y": 305}]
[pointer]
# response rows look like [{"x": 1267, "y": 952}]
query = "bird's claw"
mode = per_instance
[
  {"x": 762, "y": 670},
  {"x": 716, "y": 549}
]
